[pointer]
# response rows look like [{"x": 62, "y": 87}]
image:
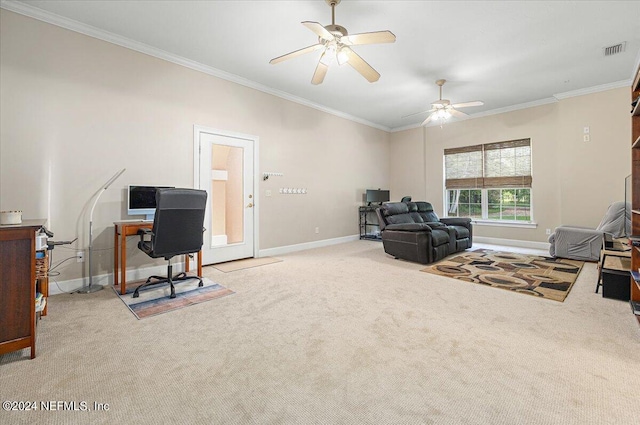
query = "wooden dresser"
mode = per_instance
[{"x": 18, "y": 286}]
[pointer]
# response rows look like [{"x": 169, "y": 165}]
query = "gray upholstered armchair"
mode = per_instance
[{"x": 581, "y": 243}]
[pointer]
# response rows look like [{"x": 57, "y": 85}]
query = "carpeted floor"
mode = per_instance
[
  {"x": 536, "y": 275},
  {"x": 234, "y": 266},
  {"x": 337, "y": 335}
]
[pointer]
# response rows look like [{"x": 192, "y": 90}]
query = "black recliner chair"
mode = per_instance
[
  {"x": 459, "y": 228},
  {"x": 413, "y": 231},
  {"x": 177, "y": 230}
]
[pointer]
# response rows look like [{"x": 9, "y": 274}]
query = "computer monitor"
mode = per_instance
[
  {"x": 141, "y": 200},
  {"x": 378, "y": 196}
]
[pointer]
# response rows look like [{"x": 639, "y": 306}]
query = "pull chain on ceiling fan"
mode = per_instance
[
  {"x": 336, "y": 42},
  {"x": 442, "y": 109}
]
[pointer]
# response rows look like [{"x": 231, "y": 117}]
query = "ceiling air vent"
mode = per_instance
[{"x": 615, "y": 49}]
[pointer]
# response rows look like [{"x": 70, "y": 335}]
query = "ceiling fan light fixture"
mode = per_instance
[
  {"x": 342, "y": 57},
  {"x": 326, "y": 58},
  {"x": 335, "y": 42},
  {"x": 443, "y": 109},
  {"x": 441, "y": 115}
]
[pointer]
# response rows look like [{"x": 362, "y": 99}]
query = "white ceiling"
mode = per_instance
[{"x": 505, "y": 53}]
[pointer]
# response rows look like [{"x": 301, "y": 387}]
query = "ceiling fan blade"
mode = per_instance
[
  {"x": 296, "y": 53},
  {"x": 321, "y": 71},
  {"x": 425, "y": 122},
  {"x": 319, "y": 30},
  {"x": 457, "y": 113},
  {"x": 368, "y": 38},
  {"x": 418, "y": 113},
  {"x": 361, "y": 65},
  {"x": 467, "y": 104}
]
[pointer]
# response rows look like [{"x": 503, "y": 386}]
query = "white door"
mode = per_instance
[{"x": 225, "y": 169}]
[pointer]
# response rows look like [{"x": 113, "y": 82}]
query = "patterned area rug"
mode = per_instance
[
  {"x": 544, "y": 277},
  {"x": 154, "y": 299}
]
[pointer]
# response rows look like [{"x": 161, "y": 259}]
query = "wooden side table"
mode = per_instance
[{"x": 613, "y": 260}]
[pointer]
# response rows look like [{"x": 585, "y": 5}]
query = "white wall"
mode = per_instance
[
  {"x": 74, "y": 110},
  {"x": 573, "y": 181}
]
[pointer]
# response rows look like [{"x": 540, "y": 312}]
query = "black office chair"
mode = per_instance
[
  {"x": 177, "y": 230},
  {"x": 406, "y": 199}
]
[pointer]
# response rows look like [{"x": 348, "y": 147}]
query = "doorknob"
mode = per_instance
[{"x": 250, "y": 205}]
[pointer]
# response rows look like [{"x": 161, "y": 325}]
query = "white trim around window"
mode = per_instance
[{"x": 504, "y": 223}]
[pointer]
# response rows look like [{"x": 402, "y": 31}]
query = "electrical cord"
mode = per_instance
[
  {"x": 61, "y": 262},
  {"x": 52, "y": 273},
  {"x": 79, "y": 249}
]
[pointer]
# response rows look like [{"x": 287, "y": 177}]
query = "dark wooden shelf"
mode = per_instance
[
  {"x": 635, "y": 175},
  {"x": 633, "y": 278}
]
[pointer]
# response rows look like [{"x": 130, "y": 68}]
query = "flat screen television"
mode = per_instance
[
  {"x": 141, "y": 200},
  {"x": 376, "y": 196}
]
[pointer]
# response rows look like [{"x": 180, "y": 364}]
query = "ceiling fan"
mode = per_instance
[
  {"x": 336, "y": 41},
  {"x": 442, "y": 109}
]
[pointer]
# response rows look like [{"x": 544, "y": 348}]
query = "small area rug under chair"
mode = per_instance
[
  {"x": 154, "y": 299},
  {"x": 544, "y": 277}
]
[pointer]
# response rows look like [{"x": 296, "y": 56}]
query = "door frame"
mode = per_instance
[{"x": 199, "y": 129}]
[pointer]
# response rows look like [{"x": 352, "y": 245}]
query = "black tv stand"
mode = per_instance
[{"x": 369, "y": 224}]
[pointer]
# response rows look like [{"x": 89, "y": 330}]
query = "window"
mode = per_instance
[{"x": 490, "y": 181}]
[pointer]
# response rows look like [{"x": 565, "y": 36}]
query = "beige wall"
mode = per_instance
[
  {"x": 573, "y": 181},
  {"x": 407, "y": 159},
  {"x": 74, "y": 110}
]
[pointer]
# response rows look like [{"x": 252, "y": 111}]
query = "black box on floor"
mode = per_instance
[{"x": 616, "y": 284}]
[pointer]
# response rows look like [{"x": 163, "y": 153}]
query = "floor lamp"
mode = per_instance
[{"x": 91, "y": 287}]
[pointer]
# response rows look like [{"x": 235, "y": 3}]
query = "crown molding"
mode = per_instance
[
  {"x": 484, "y": 113},
  {"x": 404, "y": 127},
  {"x": 594, "y": 89},
  {"x": 533, "y": 104},
  {"x": 70, "y": 24},
  {"x": 519, "y": 106}
]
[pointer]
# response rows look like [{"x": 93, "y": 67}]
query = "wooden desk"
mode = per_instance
[{"x": 122, "y": 229}]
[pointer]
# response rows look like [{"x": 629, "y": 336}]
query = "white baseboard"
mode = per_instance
[
  {"x": 72, "y": 285},
  {"x": 512, "y": 242},
  {"x": 280, "y": 250}
]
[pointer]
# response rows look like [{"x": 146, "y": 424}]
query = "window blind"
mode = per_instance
[{"x": 492, "y": 165}]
